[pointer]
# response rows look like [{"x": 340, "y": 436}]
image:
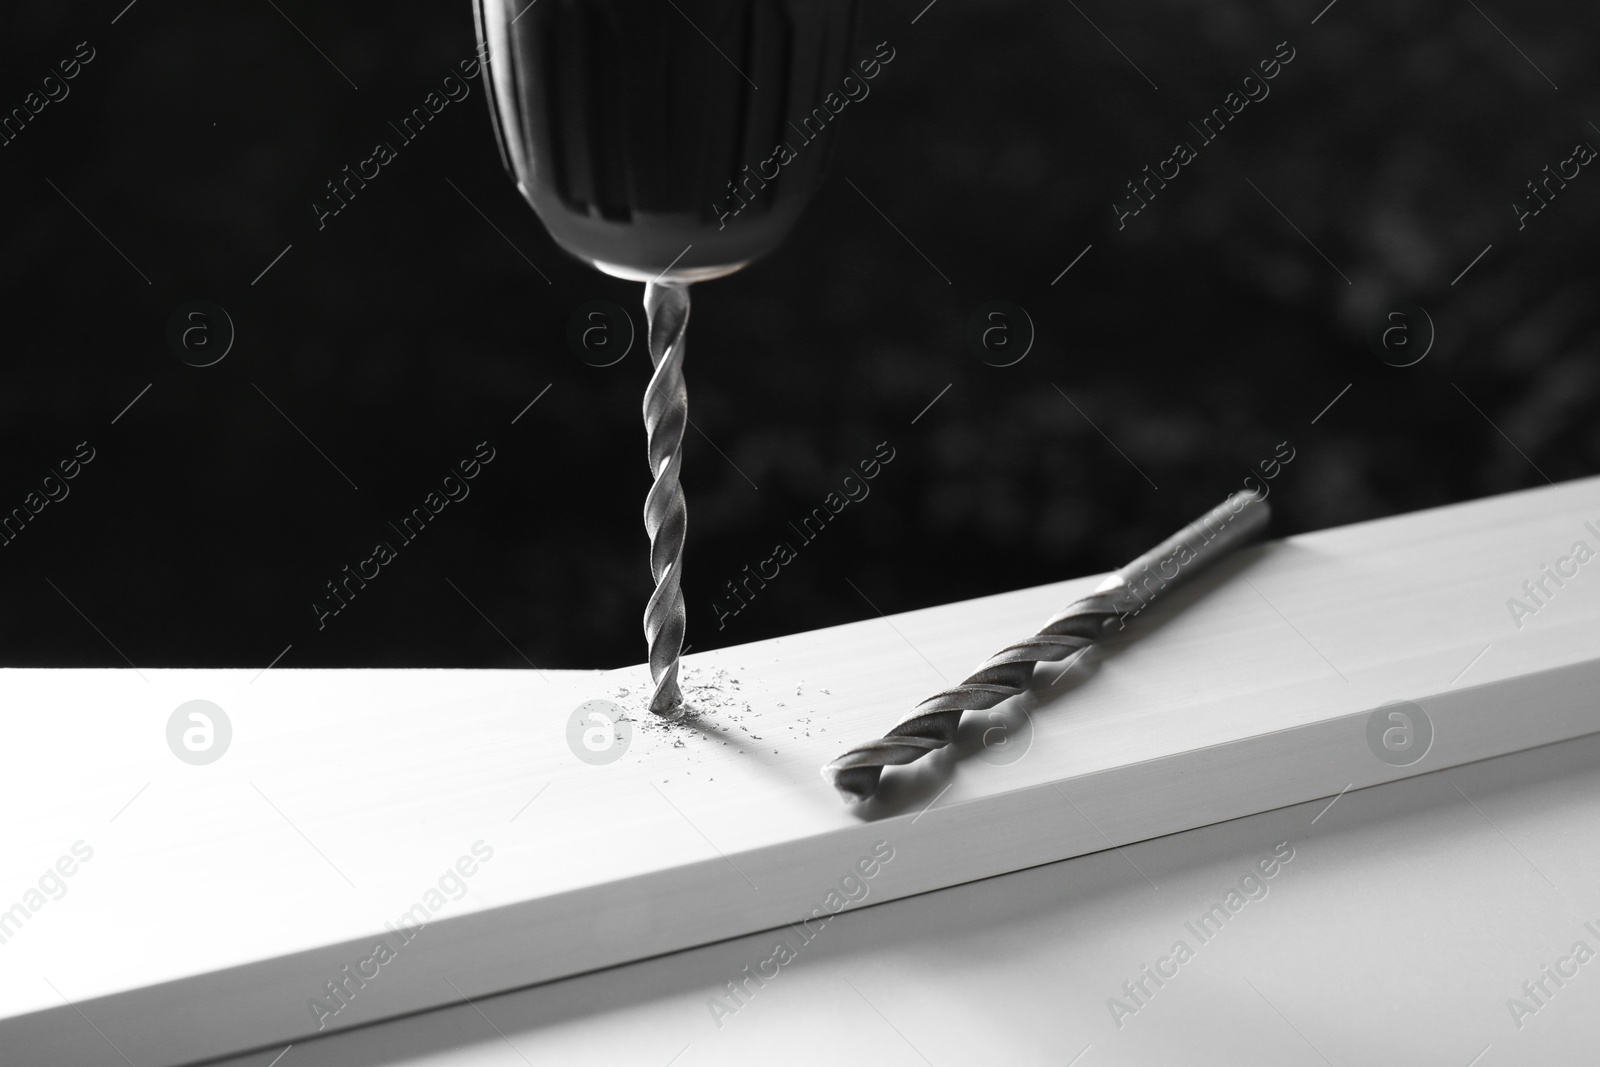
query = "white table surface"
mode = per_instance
[{"x": 1409, "y": 915}]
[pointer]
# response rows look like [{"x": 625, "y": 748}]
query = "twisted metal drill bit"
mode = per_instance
[
  {"x": 666, "y": 308},
  {"x": 932, "y": 724}
]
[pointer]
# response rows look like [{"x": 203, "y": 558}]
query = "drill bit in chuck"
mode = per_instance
[
  {"x": 666, "y": 307},
  {"x": 932, "y": 724}
]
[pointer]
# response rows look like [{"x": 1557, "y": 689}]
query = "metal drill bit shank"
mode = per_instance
[
  {"x": 666, "y": 308},
  {"x": 932, "y": 724}
]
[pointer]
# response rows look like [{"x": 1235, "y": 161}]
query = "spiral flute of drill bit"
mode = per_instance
[
  {"x": 932, "y": 724},
  {"x": 666, "y": 307}
]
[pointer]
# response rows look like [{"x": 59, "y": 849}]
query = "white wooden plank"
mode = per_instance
[
  {"x": 219, "y": 902},
  {"x": 1399, "y": 932}
]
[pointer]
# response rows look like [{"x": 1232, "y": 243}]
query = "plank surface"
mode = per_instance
[
  {"x": 1400, "y": 931},
  {"x": 221, "y": 900}
]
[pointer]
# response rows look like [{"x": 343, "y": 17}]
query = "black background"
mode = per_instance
[{"x": 406, "y": 331}]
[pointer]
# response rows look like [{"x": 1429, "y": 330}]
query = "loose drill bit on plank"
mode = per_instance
[
  {"x": 666, "y": 308},
  {"x": 932, "y": 724}
]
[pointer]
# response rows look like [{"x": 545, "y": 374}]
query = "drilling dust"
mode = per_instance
[{"x": 717, "y": 716}]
